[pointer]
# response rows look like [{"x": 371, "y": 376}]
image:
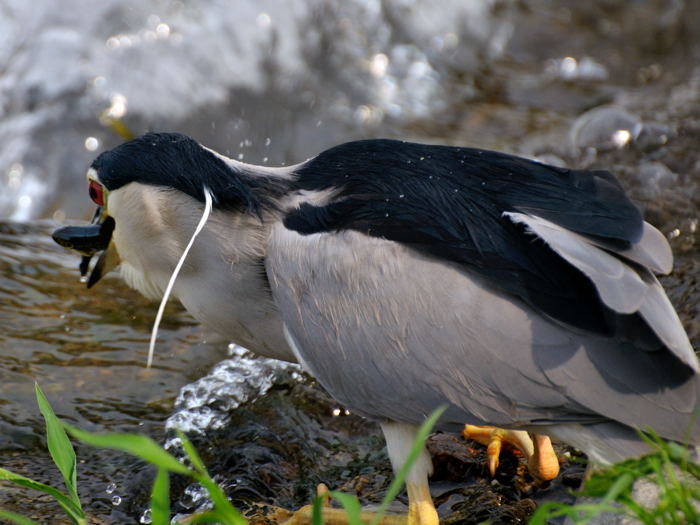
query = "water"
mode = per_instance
[
  {"x": 87, "y": 350},
  {"x": 228, "y": 76},
  {"x": 606, "y": 83}
]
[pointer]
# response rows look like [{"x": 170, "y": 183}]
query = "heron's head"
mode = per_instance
[{"x": 150, "y": 196}]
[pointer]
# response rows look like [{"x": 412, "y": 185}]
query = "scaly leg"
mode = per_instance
[{"x": 399, "y": 441}]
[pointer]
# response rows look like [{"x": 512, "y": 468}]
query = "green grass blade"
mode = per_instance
[
  {"x": 623, "y": 484},
  {"x": 140, "y": 446},
  {"x": 191, "y": 452},
  {"x": 352, "y": 507},
  {"x": 59, "y": 445},
  {"x": 581, "y": 513},
  {"x": 16, "y": 518},
  {"x": 160, "y": 498},
  {"x": 416, "y": 449},
  {"x": 222, "y": 505},
  {"x": 316, "y": 511},
  {"x": 73, "y": 511}
]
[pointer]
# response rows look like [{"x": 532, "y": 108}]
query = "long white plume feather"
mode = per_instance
[{"x": 176, "y": 271}]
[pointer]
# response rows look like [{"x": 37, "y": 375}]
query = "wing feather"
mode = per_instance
[
  {"x": 619, "y": 285},
  {"x": 393, "y": 334},
  {"x": 624, "y": 288},
  {"x": 480, "y": 209}
]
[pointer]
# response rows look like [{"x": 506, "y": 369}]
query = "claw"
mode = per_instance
[{"x": 542, "y": 462}]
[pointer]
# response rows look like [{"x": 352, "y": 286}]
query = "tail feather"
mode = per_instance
[{"x": 604, "y": 443}]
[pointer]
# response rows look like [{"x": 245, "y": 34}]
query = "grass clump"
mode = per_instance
[{"x": 672, "y": 487}]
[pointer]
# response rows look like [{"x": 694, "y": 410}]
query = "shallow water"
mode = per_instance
[{"x": 87, "y": 349}]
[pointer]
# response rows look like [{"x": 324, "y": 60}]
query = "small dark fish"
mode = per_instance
[{"x": 86, "y": 240}]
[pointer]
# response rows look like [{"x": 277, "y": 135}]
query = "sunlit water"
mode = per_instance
[{"x": 86, "y": 348}]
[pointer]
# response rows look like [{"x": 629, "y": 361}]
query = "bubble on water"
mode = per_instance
[{"x": 116, "y": 500}]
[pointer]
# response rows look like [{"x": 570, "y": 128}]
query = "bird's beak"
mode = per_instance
[{"x": 88, "y": 241}]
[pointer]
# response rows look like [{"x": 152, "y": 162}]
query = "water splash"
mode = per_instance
[{"x": 206, "y": 403}]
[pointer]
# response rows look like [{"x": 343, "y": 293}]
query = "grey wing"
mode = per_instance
[
  {"x": 623, "y": 279},
  {"x": 394, "y": 334}
]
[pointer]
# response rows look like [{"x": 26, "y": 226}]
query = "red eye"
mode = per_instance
[{"x": 96, "y": 194}]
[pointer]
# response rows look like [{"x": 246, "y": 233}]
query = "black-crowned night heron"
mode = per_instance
[{"x": 404, "y": 277}]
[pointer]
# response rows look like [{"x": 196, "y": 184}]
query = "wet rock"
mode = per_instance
[{"x": 605, "y": 128}]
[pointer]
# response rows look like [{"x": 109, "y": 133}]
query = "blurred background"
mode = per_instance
[{"x": 602, "y": 83}]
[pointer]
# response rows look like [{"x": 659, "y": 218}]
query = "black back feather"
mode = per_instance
[
  {"x": 449, "y": 202},
  {"x": 177, "y": 161}
]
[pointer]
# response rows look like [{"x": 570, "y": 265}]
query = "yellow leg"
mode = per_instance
[
  {"x": 542, "y": 462},
  {"x": 421, "y": 510}
]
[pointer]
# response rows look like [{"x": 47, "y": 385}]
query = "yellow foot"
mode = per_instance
[
  {"x": 421, "y": 510},
  {"x": 333, "y": 516},
  {"x": 542, "y": 462}
]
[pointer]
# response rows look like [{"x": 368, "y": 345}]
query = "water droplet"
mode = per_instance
[
  {"x": 116, "y": 500},
  {"x": 163, "y": 30},
  {"x": 401, "y": 196},
  {"x": 240, "y": 156},
  {"x": 336, "y": 412},
  {"x": 111, "y": 488},
  {"x": 91, "y": 143},
  {"x": 264, "y": 159},
  {"x": 386, "y": 215},
  {"x": 422, "y": 158},
  {"x": 83, "y": 278},
  {"x": 118, "y": 106},
  {"x": 268, "y": 141},
  {"x": 146, "y": 517},
  {"x": 263, "y": 20}
]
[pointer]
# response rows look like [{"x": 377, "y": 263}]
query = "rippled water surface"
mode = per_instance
[{"x": 86, "y": 348}]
